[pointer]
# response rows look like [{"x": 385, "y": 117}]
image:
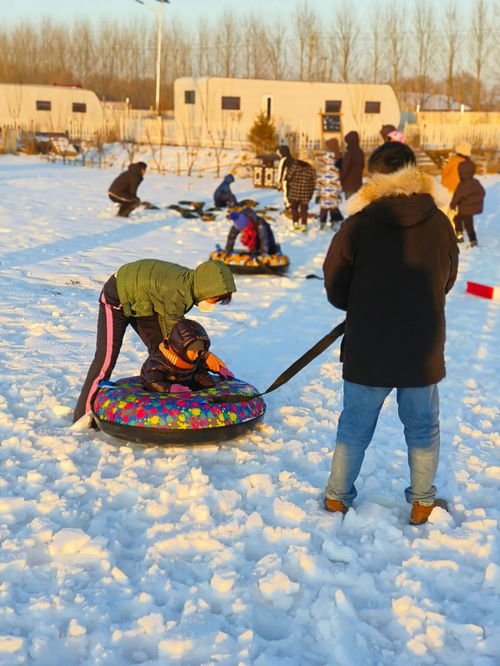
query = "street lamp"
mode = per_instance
[{"x": 159, "y": 15}]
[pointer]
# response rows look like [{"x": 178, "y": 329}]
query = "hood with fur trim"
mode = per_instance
[{"x": 402, "y": 183}]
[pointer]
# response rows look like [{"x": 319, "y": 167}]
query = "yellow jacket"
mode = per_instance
[{"x": 449, "y": 173}]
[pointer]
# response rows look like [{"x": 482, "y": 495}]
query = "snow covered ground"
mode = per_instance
[{"x": 115, "y": 554}]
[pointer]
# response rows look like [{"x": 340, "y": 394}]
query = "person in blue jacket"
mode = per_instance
[
  {"x": 254, "y": 232},
  {"x": 223, "y": 197}
]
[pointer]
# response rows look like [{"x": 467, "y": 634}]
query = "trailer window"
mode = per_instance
[
  {"x": 372, "y": 107},
  {"x": 43, "y": 105},
  {"x": 79, "y": 107},
  {"x": 333, "y": 106},
  {"x": 189, "y": 97},
  {"x": 231, "y": 103}
]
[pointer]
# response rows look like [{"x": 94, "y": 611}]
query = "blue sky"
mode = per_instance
[{"x": 186, "y": 10}]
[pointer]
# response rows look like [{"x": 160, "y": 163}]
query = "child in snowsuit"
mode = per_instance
[
  {"x": 469, "y": 199},
  {"x": 123, "y": 190},
  {"x": 328, "y": 191},
  {"x": 449, "y": 173},
  {"x": 223, "y": 197},
  {"x": 178, "y": 365},
  {"x": 254, "y": 232}
]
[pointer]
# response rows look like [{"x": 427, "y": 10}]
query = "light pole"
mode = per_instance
[{"x": 159, "y": 16}]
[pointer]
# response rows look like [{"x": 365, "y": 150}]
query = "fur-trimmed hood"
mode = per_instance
[{"x": 402, "y": 183}]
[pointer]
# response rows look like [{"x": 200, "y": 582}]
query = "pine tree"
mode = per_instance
[{"x": 262, "y": 135}]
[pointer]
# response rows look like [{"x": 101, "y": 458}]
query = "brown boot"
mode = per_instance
[
  {"x": 421, "y": 512},
  {"x": 335, "y": 506}
]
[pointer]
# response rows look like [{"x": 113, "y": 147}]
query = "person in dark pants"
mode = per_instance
[
  {"x": 353, "y": 163},
  {"x": 254, "y": 231},
  {"x": 300, "y": 184},
  {"x": 151, "y": 296},
  {"x": 123, "y": 190},
  {"x": 390, "y": 267},
  {"x": 469, "y": 199}
]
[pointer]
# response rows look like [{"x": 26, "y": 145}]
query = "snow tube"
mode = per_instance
[
  {"x": 127, "y": 411},
  {"x": 243, "y": 262}
]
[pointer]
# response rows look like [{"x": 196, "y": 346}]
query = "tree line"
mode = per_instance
[{"x": 420, "y": 47}]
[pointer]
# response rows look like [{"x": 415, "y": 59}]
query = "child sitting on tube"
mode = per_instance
[{"x": 178, "y": 365}]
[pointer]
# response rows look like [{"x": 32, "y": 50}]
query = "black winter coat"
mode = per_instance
[
  {"x": 125, "y": 185},
  {"x": 353, "y": 162},
  {"x": 390, "y": 266},
  {"x": 469, "y": 195}
]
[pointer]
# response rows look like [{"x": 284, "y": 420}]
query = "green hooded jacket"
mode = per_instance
[{"x": 151, "y": 286}]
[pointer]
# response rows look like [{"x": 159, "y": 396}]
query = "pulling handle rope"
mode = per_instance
[{"x": 290, "y": 372}]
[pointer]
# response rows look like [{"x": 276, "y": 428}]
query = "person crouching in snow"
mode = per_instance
[
  {"x": 328, "y": 190},
  {"x": 469, "y": 199},
  {"x": 223, "y": 197},
  {"x": 123, "y": 190},
  {"x": 255, "y": 233},
  {"x": 178, "y": 365}
]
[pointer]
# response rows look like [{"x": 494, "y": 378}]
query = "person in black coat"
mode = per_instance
[
  {"x": 469, "y": 199},
  {"x": 123, "y": 189},
  {"x": 353, "y": 163},
  {"x": 178, "y": 365},
  {"x": 389, "y": 267},
  {"x": 254, "y": 231},
  {"x": 223, "y": 197}
]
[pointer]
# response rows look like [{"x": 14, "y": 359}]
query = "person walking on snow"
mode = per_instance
[
  {"x": 300, "y": 184},
  {"x": 449, "y": 172},
  {"x": 328, "y": 189},
  {"x": 469, "y": 199},
  {"x": 152, "y": 296},
  {"x": 353, "y": 163},
  {"x": 389, "y": 267},
  {"x": 123, "y": 190},
  {"x": 286, "y": 161}
]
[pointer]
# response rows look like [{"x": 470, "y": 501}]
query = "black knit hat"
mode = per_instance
[
  {"x": 391, "y": 156},
  {"x": 186, "y": 334}
]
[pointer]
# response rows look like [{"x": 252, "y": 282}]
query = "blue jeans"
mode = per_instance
[{"x": 418, "y": 410}]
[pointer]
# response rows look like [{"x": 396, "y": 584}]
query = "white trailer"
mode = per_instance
[
  {"x": 215, "y": 110},
  {"x": 54, "y": 109}
]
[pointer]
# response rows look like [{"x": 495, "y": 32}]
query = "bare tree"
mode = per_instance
[
  {"x": 253, "y": 41},
  {"x": 226, "y": 42},
  {"x": 345, "y": 31},
  {"x": 274, "y": 44},
  {"x": 424, "y": 23},
  {"x": 305, "y": 26},
  {"x": 376, "y": 35},
  {"x": 394, "y": 38},
  {"x": 450, "y": 46},
  {"x": 479, "y": 45}
]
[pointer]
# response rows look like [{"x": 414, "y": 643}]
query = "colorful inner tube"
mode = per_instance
[
  {"x": 242, "y": 262},
  {"x": 127, "y": 411}
]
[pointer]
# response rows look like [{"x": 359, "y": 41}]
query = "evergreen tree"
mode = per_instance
[{"x": 262, "y": 135}]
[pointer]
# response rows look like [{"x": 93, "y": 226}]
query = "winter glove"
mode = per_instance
[
  {"x": 317, "y": 199},
  {"x": 214, "y": 364},
  {"x": 218, "y": 247},
  {"x": 179, "y": 388}
]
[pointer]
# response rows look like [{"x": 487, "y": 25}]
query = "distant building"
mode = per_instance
[
  {"x": 56, "y": 109},
  {"x": 215, "y": 110}
]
